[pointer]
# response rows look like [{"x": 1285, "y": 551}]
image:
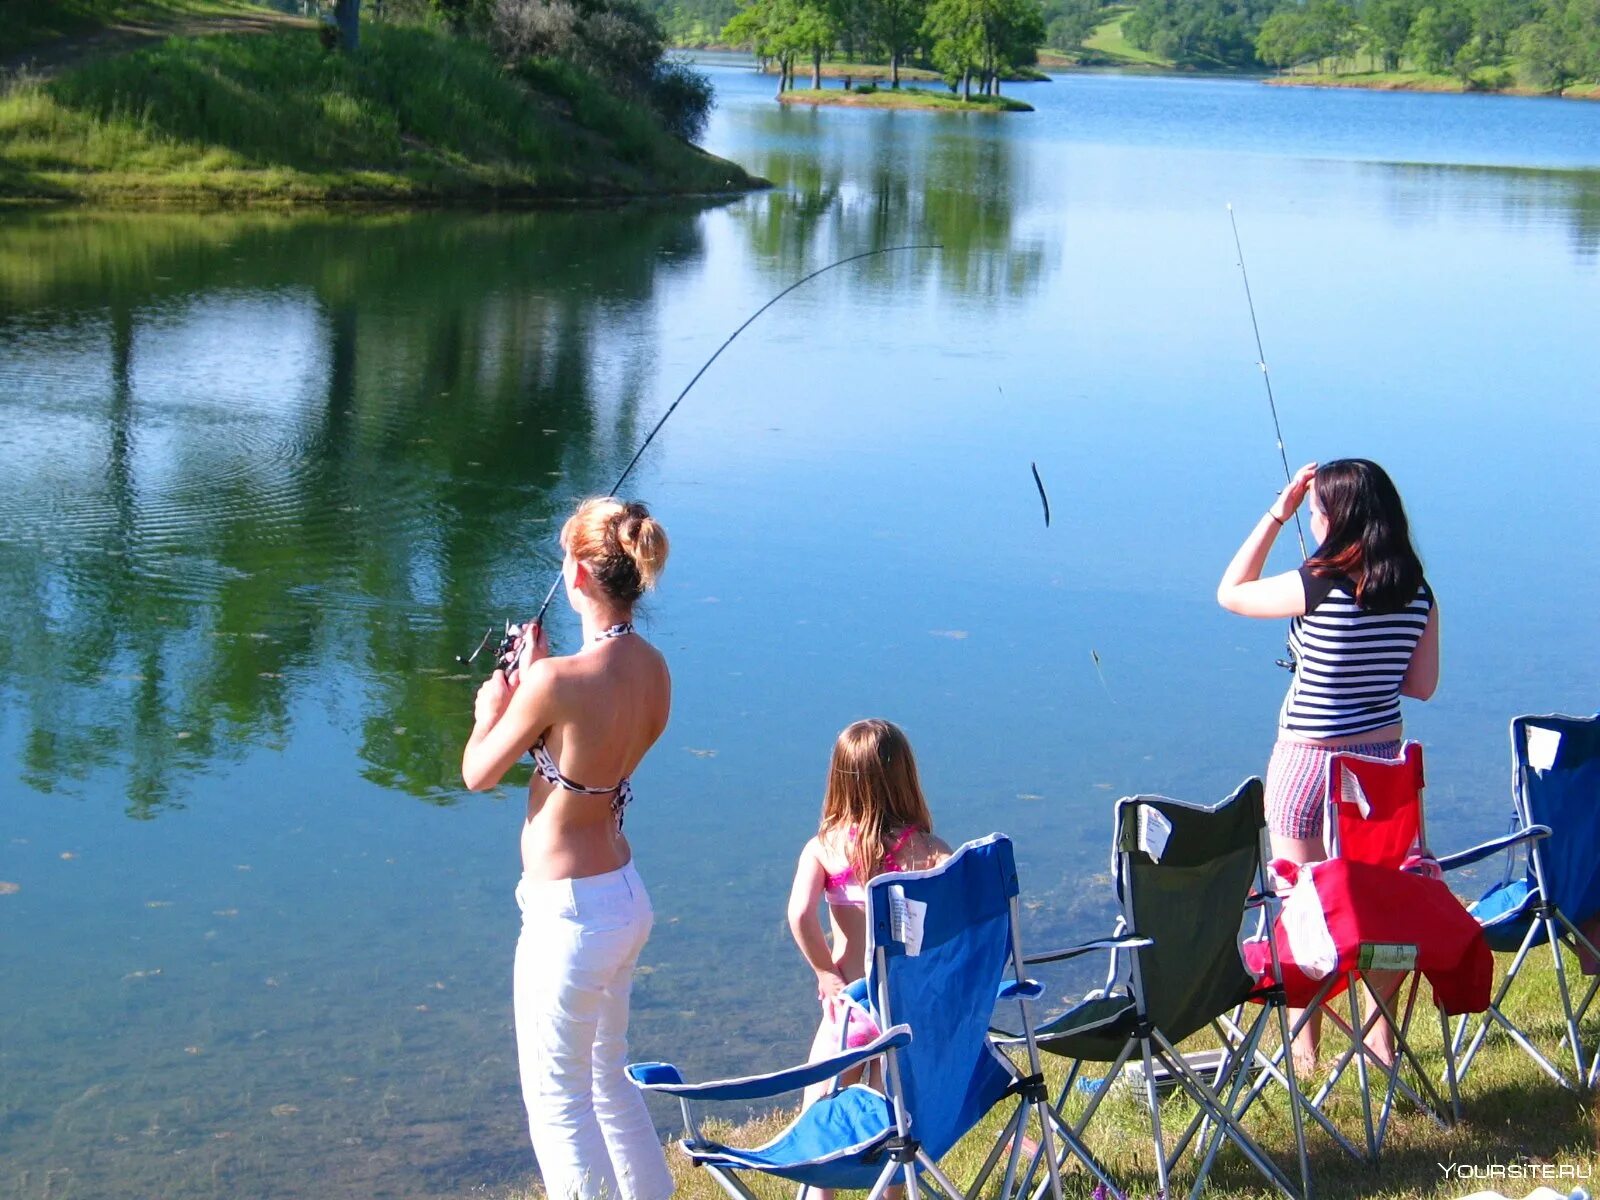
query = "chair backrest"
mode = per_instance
[
  {"x": 1556, "y": 782},
  {"x": 1374, "y": 807},
  {"x": 1183, "y": 873},
  {"x": 939, "y": 944}
]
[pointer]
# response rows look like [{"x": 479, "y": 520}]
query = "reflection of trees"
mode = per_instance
[
  {"x": 208, "y": 588},
  {"x": 842, "y": 188},
  {"x": 1521, "y": 192}
]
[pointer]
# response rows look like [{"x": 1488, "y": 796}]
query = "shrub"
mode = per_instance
[{"x": 683, "y": 99}]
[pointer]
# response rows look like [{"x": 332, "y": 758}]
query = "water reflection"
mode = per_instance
[
  {"x": 243, "y": 447},
  {"x": 1516, "y": 196},
  {"x": 891, "y": 180}
]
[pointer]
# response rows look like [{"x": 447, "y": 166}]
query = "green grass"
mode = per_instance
[
  {"x": 418, "y": 116},
  {"x": 916, "y": 98},
  {"x": 1511, "y": 1113},
  {"x": 1108, "y": 45},
  {"x": 31, "y": 23}
]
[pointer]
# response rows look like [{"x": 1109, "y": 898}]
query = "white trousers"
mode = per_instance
[{"x": 574, "y": 967}]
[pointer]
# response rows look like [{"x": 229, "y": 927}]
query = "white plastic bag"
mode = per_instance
[{"x": 1304, "y": 922}]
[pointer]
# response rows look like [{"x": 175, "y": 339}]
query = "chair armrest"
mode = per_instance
[
  {"x": 1126, "y": 942},
  {"x": 1493, "y": 846},
  {"x": 1019, "y": 989},
  {"x": 667, "y": 1079}
]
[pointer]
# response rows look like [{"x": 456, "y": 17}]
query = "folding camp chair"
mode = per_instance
[
  {"x": 1184, "y": 876},
  {"x": 1555, "y": 791},
  {"x": 1373, "y": 817},
  {"x": 940, "y": 943}
]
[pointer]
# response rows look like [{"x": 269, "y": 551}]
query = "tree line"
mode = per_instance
[
  {"x": 1554, "y": 43},
  {"x": 971, "y": 43}
]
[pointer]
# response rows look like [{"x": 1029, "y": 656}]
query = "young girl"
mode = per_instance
[{"x": 874, "y": 820}]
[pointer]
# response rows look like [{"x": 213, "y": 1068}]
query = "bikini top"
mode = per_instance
[
  {"x": 846, "y": 890},
  {"x": 545, "y": 766}
]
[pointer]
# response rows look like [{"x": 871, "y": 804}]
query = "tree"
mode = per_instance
[
  {"x": 1069, "y": 23},
  {"x": 896, "y": 24},
  {"x": 1331, "y": 31},
  {"x": 1281, "y": 42},
  {"x": 1441, "y": 29},
  {"x": 347, "y": 16},
  {"x": 765, "y": 27},
  {"x": 953, "y": 28},
  {"x": 1388, "y": 25}
]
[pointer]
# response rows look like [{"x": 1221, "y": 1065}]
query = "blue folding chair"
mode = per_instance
[
  {"x": 942, "y": 950},
  {"x": 1555, "y": 790}
]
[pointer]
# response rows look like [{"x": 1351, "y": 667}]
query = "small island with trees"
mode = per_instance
[{"x": 972, "y": 45}]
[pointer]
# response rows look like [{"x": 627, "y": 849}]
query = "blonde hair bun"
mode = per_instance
[{"x": 624, "y": 547}]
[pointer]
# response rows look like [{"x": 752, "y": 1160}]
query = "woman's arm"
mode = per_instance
[
  {"x": 806, "y": 925},
  {"x": 1422, "y": 673},
  {"x": 506, "y": 722},
  {"x": 1242, "y": 589}
]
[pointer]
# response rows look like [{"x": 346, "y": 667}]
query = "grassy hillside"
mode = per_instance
[
  {"x": 30, "y": 23},
  {"x": 418, "y": 116}
]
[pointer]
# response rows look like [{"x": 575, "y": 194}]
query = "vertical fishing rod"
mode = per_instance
[
  {"x": 643, "y": 446},
  {"x": 1266, "y": 376}
]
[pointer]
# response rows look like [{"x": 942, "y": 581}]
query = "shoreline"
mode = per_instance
[
  {"x": 1431, "y": 85},
  {"x": 906, "y": 99}
]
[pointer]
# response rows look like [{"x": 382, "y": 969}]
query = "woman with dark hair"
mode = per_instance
[
  {"x": 589, "y": 718},
  {"x": 1365, "y": 632}
]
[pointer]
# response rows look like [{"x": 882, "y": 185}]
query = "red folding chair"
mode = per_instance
[{"x": 1374, "y": 827}]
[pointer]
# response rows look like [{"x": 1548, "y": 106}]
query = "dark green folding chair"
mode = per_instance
[{"x": 1185, "y": 878}]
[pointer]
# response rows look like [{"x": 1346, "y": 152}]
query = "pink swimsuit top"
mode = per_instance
[{"x": 845, "y": 889}]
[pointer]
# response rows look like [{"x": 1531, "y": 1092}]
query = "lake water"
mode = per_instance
[{"x": 266, "y": 474}]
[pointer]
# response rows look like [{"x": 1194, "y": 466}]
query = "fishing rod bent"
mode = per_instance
[
  {"x": 1266, "y": 376},
  {"x": 671, "y": 408},
  {"x": 650, "y": 437}
]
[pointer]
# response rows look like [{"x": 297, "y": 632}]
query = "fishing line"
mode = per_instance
[
  {"x": 1266, "y": 376},
  {"x": 645, "y": 445}
]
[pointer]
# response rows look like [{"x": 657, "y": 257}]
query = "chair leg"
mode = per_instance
[
  {"x": 732, "y": 1185},
  {"x": 1449, "y": 1065},
  {"x": 1010, "y": 1144},
  {"x": 1573, "y": 1042},
  {"x": 1356, "y": 1028},
  {"x": 1155, "y": 1118}
]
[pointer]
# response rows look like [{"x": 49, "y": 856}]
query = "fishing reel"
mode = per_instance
[{"x": 508, "y": 651}]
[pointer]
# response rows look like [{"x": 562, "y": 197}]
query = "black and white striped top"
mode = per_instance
[{"x": 1348, "y": 662}]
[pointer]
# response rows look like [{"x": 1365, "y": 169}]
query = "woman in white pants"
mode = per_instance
[{"x": 588, "y": 719}]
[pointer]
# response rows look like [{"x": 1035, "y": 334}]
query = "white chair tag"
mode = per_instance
[
  {"x": 1154, "y": 830},
  {"x": 906, "y": 919}
]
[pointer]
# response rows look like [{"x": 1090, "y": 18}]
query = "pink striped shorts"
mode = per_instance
[{"x": 1297, "y": 782}]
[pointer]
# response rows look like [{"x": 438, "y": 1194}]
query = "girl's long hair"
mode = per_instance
[
  {"x": 872, "y": 788},
  {"x": 1369, "y": 538}
]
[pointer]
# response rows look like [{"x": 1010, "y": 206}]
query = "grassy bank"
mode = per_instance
[
  {"x": 1511, "y": 1113},
  {"x": 913, "y": 98},
  {"x": 1505, "y": 81},
  {"x": 417, "y": 117}
]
